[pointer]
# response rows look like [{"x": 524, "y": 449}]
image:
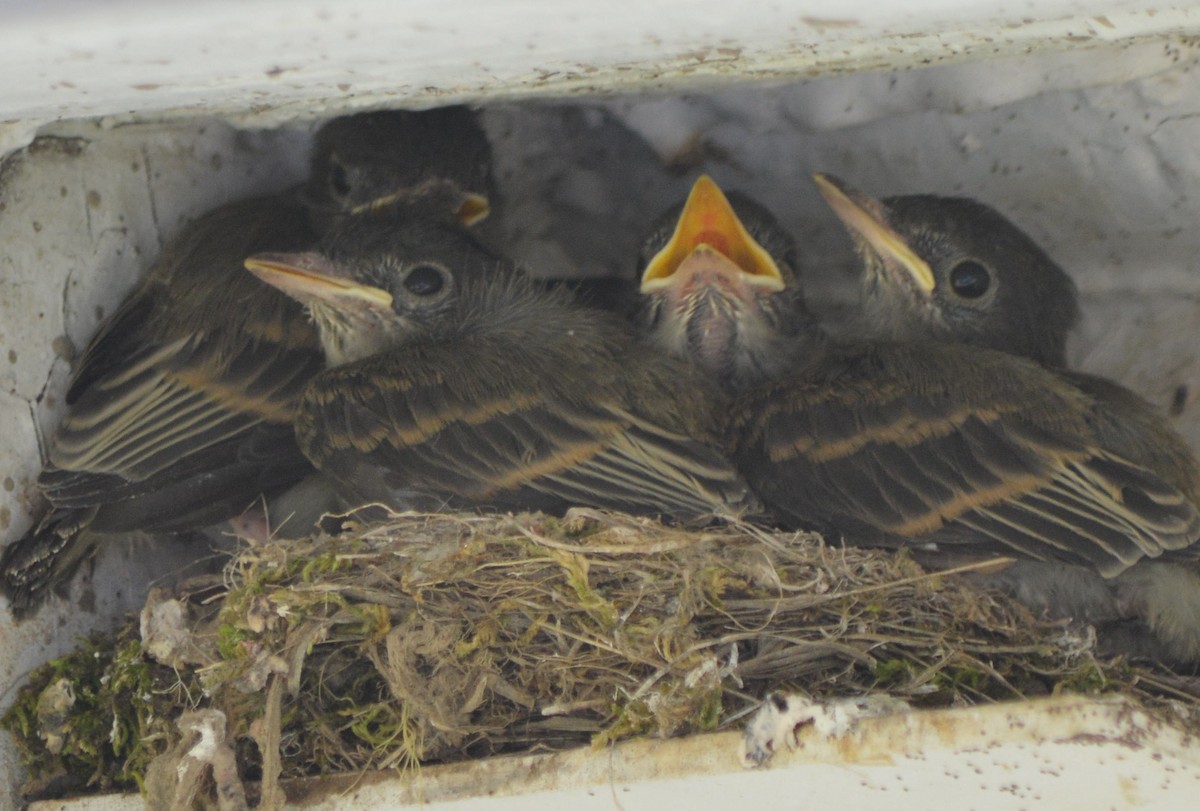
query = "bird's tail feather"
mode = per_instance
[{"x": 44, "y": 558}]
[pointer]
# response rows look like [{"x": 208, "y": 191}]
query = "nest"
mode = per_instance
[{"x": 428, "y": 638}]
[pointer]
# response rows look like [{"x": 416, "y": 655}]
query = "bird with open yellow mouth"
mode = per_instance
[
  {"x": 937, "y": 445},
  {"x": 457, "y": 381},
  {"x": 718, "y": 286}
]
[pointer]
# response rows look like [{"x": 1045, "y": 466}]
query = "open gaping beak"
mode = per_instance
[{"x": 710, "y": 238}]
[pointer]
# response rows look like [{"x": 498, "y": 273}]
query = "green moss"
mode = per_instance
[
  {"x": 486, "y": 634},
  {"x": 121, "y": 719},
  {"x": 629, "y": 719},
  {"x": 1090, "y": 679},
  {"x": 711, "y": 711},
  {"x": 231, "y": 641},
  {"x": 318, "y": 567},
  {"x": 892, "y": 672},
  {"x": 958, "y": 678},
  {"x": 371, "y": 622},
  {"x": 575, "y": 567}
]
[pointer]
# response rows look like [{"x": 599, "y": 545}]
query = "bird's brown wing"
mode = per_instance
[
  {"x": 482, "y": 426},
  {"x": 948, "y": 445},
  {"x": 195, "y": 378}
]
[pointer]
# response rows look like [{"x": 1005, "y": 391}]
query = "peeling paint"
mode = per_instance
[{"x": 1055, "y": 753}]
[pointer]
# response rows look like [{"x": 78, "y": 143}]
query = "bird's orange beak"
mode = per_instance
[
  {"x": 709, "y": 236},
  {"x": 309, "y": 277},
  {"x": 866, "y": 217},
  {"x": 473, "y": 208}
]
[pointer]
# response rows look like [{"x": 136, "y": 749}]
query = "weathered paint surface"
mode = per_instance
[
  {"x": 73, "y": 59},
  {"x": 1058, "y": 753}
]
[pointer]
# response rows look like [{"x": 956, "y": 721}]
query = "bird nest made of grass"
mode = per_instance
[{"x": 437, "y": 637}]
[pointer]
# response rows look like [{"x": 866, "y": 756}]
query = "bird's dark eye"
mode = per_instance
[
  {"x": 339, "y": 179},
  {"x": 970, "y": 279},
  {"x": 425, "y": 279}
]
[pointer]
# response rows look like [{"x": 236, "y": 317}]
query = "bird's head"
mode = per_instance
[
  {"x": 719, "y": 285},
  {"x": 380, "y": 279},
  {"x": 370, "y": 160},
  {"x": 951, "y": 268}
]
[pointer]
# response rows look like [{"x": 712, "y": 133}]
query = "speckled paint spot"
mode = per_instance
[
  {"x": 12, "y": 356},
  {"x": 93, "y": 198},
  {"x": 64, "y": 347},
  {"x": 1179, "y": 400},
  {"x": 5, "y": 517},
  {"x": 9, "y": 484}
]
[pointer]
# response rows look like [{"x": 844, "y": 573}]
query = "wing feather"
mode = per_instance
[
  {"x": 457, "y": 424},
  {"x": 889, "y": 446}
]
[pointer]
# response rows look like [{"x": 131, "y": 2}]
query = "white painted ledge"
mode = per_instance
[
  {"x": 1055, "y": 754},
  {"x": 141, "y": 58}
]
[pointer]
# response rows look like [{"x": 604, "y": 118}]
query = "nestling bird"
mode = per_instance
[
  {"x": 928, "y": 443},
  {"x": 370, "y": 160},
  {"x": 719, "y": 287},
  {"x": 954, "y": 269},
  {"x": 180, "y": 411},
  {"x": 457, "y": 381}
]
